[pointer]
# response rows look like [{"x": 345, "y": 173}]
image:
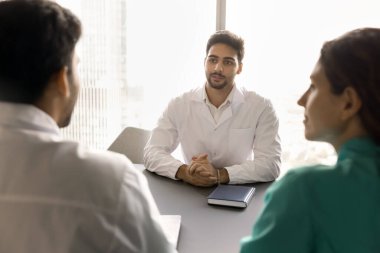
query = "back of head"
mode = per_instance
[
  {"x": 354, "y": 60},
  {"x": 37, "y": 39},
  {"x": 228, "y": 38}
]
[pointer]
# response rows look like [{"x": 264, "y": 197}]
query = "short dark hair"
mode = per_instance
[
  {"x": 228, "y": 38},
  {"x": 37, "y": 39},
  {"x": 354, "y": 60}
]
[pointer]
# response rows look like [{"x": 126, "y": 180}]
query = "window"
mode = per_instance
[
  {"x": 135, "y": 56},
  {"x": 138, "y": 54},
  {"x": 283, "y": 39},
  {"x": 102, "y": 51}
]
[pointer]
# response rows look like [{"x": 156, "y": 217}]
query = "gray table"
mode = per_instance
[{"x": 204, "y": 228}]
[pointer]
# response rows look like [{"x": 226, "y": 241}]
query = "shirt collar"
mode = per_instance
[
  {"x": 26, "y": 116},
  {"x": 237, "y": 96},
  {"x": 364, "y": 152},
  {"x": 360, "y": 145},
  {"x": 228, "y": 100}
]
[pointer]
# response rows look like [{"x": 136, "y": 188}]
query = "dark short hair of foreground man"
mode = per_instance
[{"x": 55, "y": 195}]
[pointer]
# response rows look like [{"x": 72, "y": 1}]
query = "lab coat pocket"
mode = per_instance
[{"x": 240, "y": 143}]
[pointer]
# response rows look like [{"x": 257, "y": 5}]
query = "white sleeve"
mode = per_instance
[
  {"x": 138, "y": 227},
  {"x": 266, "y": 149},
  {"x": 163, "y": 141}
]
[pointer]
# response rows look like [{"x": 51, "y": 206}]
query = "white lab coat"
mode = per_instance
[
  {"x": 57, "y": 196},
  {"x": 244, "y": 140}
]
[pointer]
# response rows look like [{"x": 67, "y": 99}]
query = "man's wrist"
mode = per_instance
[
  {"x": 181, "y": 172},
  {"x": 224, "y": 178}
]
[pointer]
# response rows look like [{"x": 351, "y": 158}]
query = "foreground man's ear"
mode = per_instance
[{"x": 61, "y": 81}]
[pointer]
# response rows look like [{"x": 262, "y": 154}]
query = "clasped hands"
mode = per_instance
[{"x": 200, "y": 172}]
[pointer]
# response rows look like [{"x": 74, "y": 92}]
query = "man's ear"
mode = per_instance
[
  {"x": 352, "y": 101},
  {"x": 61, "y": 82},
  {"x": 240, "y": 68}
]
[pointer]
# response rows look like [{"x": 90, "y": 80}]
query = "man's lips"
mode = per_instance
[{"x": 217, "y": 77}]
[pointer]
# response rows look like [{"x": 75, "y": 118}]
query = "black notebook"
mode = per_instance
[{"x": 231, "y": 195}]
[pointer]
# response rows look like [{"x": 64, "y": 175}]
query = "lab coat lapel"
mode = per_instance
[
  {"x": 201, "y": 106},
  {"x": 205, "y": 113},
  {"x": 227, "y": 113},
  {"x": 237, "y": 99}
]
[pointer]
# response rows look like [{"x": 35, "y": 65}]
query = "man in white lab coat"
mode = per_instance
[
  {"x": 227, "y": 134},
  {"x": 55, "y": 195}
]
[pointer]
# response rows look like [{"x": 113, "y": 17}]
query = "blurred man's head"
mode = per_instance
[{"x": 37, "y": 56}]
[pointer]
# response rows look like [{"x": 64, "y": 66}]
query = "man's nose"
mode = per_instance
[{"x": 219, "y": 67}]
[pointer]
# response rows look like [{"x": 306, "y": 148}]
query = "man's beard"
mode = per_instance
[{"x": 216, "y": 86}]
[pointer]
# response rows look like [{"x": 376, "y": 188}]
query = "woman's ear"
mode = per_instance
[{"x": 352, "y": 101}]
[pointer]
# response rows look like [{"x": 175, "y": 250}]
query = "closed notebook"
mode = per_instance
[{"x": 231, "y": 195}]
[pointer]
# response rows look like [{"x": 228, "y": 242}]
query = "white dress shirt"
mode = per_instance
[
  {"x": 243, "y": 138},
  {"x": 57, "y": 196}
]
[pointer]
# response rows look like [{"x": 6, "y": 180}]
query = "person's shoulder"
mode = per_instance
[
  {"x": 308, "y": 172},
  {"x": 89, "y": 176},
  {"x": 94, "y": 163},
  {"x": 251, "y": 96},
  {"x": 192, "y": 93},
  {"x": 87, "y": 154},
  {"x": 186, "y": 97},
  {"x": 304, "y": 177}
]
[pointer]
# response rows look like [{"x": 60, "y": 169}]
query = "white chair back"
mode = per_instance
[{"x": 131, "y": 142}]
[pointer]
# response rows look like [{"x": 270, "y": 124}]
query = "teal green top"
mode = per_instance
[{"x": 324, "y": 208}]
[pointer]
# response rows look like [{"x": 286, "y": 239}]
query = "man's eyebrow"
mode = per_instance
[
  {"x": 224, "y": 58},
  {"x": 229, "y": 58}
]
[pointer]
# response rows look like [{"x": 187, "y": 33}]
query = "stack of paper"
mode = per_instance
[{"x": 171, "y": 225}]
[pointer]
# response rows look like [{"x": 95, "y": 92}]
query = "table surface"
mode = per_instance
[{"x": 204, "y": 228}]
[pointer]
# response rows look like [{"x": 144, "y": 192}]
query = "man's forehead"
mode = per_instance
[{"x": 224, "y": 51}]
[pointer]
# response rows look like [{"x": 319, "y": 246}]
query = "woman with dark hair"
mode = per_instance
[{"x": 332, "y": 208}]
